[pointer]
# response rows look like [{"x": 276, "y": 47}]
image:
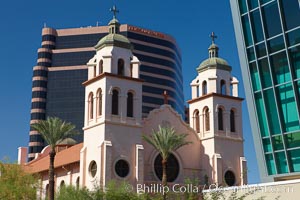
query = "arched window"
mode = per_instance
[
  {"x": 95, "y": 71},
  {"x": 99, "y": 102},
  {"x": 115, "y": 102},
  {"x": 232, "y": 121},
  {"x": 196, "y": 121},
  {"x": 223, "y": 87},
  {"x": 121, "y": 67},
  {"x": 220, "y": 119},
  {"x": 91, "y": 106},
  {"x": 204, "y": 88},
  {"x": 77, "y": 182},
  {"x": 47, "y": 190},
  {"x": 131, "y": 70},
  {"x": 101, "y": 67},
  {"x": 197, "y": 88},
  {"x": 62, "y": 184},
  {"x": 206, "y": 119},
  {"x": 129, "y": 104}
]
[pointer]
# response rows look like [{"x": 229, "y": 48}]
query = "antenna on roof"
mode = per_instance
[
  {"x": 45, "y": 26},
  {"x": 97, "y": 23}
]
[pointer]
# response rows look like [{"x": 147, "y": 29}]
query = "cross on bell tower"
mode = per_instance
[
  {"x": 213, "y": 49},
  {"x": 114, "y": 25},
  {"x": 213, "y": 37},
  {"x": 114, "y": 10}
]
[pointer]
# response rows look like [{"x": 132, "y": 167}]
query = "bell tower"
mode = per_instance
[
  {"x": 113, "y": 106},
  {"x": 216, "y": 116}
]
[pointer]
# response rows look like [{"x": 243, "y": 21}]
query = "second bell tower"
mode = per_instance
[{"x": 216, "y": 116}]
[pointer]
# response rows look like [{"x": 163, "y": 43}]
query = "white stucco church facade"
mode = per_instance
[{"x": 113, "y": 147}]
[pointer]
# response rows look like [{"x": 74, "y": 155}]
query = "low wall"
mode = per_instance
[{"x": 285, "y": 190}]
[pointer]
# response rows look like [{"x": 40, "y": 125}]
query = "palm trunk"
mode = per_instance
[
  {"x": 51, "y": 174},
  {"x": 164, "y": 175}
]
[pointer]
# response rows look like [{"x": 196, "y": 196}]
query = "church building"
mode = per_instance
[{"x": 113, "y": 148}]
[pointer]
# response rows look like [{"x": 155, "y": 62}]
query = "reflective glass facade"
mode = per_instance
[
  {"x": 58, "y": 76},
  {"x": 268, "y": 39}
]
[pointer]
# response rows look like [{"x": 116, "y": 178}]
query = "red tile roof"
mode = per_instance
[{"x": 64, "y": 157}]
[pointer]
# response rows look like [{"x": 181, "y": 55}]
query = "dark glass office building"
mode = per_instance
[
  {"x": 268, "y": 40},
  {"x": 61, "y": 69}
]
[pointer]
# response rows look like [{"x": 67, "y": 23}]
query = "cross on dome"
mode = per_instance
[
  {"x": 114, "y": 10},
  {"x": 213, "y": 37},
  {"x": 213, "y": 48}
]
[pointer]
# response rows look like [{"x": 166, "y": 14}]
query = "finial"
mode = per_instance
[
  {"x": 114, "y": 10},
  {"x": 213, "y": 37},
  {"x": 166, "y": 96},
  {"x": 213, "y": 49}
]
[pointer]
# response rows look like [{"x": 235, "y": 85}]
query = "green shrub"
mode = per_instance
[
  {"x": 113, "y": 191},
  {"x": 192, "y": 195},
  {"x": 15, "y": 183},
  {"x": 124, "y": 191},
  {"x": 72, "y": 193}
]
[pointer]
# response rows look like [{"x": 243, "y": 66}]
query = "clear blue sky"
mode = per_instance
[{"x": 189, "y": 22}]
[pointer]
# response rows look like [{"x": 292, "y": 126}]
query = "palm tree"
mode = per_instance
[
  {"x": 165, "y": 141},
  {"x": 53, "y": 131}
]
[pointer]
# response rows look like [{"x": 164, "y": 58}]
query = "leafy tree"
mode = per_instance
[
  {"x": 53, "y": 130},
  {"x": 165, "y": 141},
  {"x": 15, "y": 183}
]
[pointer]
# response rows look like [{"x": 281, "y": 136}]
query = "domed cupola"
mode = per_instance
[
  {"x": 114, "y": 38},
  {"x": 213, "y": 62}
]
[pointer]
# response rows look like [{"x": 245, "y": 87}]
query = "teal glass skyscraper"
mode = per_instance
[{"x": 268, "y": 40}]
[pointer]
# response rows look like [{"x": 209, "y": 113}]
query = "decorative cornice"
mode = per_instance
[
  {"x": 106, "y": 74},
  {"x": 214, "y": 95},
  {"x": 238, "y": 139},
  {"x": 110, "y": 122}
]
